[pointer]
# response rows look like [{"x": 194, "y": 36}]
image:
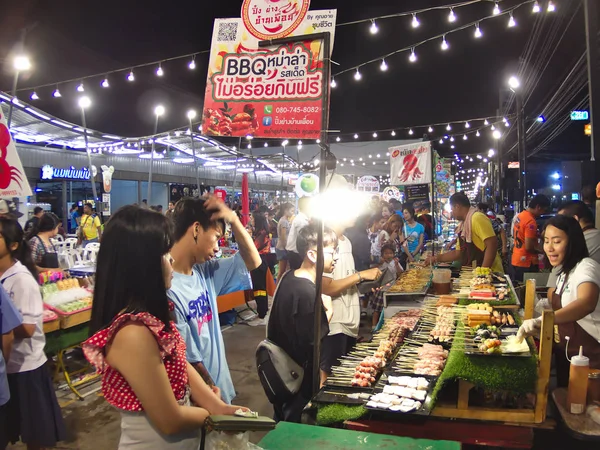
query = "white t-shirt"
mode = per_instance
[
  {"x": 299, "y": 222},
  {"x": 592, "y": 240},
  {"x": 283, "y": 224},
  {"x": 346, "y": 306},
  {"x": 27, "y": 353},
  {"x": 587, "y": 271}
]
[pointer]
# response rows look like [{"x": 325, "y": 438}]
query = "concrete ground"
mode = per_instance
[{"x": 93, "y": 424}]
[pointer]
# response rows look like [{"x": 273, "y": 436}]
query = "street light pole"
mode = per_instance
[
  {"x": 20, "y": 63},
  {"x": 158, "y": 111},
  {"x": 515, "y": 85},
  {"x": 191, "y": 115},
  {"x": 85, "y": 102}
]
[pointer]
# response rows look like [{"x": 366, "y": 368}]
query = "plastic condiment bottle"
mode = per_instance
[{"x": 578, "y": 383}]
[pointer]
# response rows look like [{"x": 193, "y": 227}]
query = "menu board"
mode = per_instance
[{"x": 417, "y": 192}]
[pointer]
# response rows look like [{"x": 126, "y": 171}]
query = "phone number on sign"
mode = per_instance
[{"x": 298, "y": 109}]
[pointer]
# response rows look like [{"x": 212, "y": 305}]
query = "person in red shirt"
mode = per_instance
[{"x": 525, "y": 235}]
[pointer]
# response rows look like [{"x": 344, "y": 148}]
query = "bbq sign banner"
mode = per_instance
[
  {"x": 410, "y": 164},
  {"x": 13, "y": 182},
  {"x": 275, "y": 92}
]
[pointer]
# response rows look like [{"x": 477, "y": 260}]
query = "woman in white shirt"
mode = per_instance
[
  {"x": 34, "y": 416},
  {"x": 576, "y": 298}
]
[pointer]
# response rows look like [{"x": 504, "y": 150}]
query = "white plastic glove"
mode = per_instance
[{"x": 529, "y": 327}]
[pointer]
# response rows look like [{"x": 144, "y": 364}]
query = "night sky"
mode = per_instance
[{"x": 69, "y": 40}]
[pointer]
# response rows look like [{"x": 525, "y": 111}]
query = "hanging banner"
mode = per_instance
[
  {"x": 444, "y": 184},
  {"x": 410, "y": 164},
  {"x": 275, "y": 92},
  {"x": 367, "y": 183},
  {"x": 13, "y": 181}
]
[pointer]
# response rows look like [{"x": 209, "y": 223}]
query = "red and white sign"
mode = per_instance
[
  {"x": 221, "y": 194},
  {"x": 273, "y": 19},
  {"x": 514, "y": 165},
  {"x": 13, "y": 181},
  {"x": 274, "y": 92},
  {"x": 410, "y": 164}
]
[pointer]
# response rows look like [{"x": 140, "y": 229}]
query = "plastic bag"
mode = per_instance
[{"x": 220, "y": 440}]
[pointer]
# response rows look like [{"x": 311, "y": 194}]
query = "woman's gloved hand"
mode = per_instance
[{"x": 530, "y": 327}]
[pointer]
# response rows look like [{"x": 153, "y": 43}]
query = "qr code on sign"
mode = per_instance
[{"x": 227, "y": 32}]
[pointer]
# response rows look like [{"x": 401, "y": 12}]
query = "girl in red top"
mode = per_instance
[{"x": 135, "y": 345}]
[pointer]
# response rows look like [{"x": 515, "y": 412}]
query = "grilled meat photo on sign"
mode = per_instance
[{"x": 222, "y": 122}]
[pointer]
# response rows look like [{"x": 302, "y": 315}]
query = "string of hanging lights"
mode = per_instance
[{"x": 128, "y": 72}]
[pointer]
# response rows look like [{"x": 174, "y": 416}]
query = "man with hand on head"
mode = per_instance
[{"x": 198, "y": 279}]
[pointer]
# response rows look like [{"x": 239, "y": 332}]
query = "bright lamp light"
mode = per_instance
[
  {"x": 496, "y": 134},
  {"x": 85, "y": 102},
  {"x": 514, "y": 83},
  {"x": 159, "y": 110},
  {"x": 21, "y": 63},
  {"x": 191, "y": 114}
]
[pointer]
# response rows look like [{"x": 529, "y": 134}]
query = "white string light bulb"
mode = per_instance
[
  {"x": 478, "y": 133},
  {"x": 485, "y": 122},
  {"x": 444, "y": 45},
  {"x": 56, "y": 93},
  {"x": 393, "y": 133},
  {"x": 441, "y": 141},
  {"x": 105, "y": 83},
  {"x": 192, "y": 64},
  {"x": 451, "y": 16},
  {"x": 492, "y": 127},
  {"x": 375, "y": 134},
  {"x": 467, "y": 125},
  {"x": 448, "y": 127},
  {"x": 496, "y": 9},
  {"x": 357, "y": 75},
  {"x": 507, "y": 123},
  {"x": 430, "y": 129},
  {"x": 511, "y": 21},
  {"x": 412, "y": 57},
  {"x": 551, "y": 7},
  {"x": 478, "y": 32},
  {"x": 333, "y": 83},
  {"x": 159, "y": 71},
  {"x": 415, "y": 22},
  {"x": 374, "y": 29},
  {"x": 383, "y": 65},
  {"x": 337, "y": 139},
  {"x": 80, "y": 87},
  {"x": 465, "y": 137},
  {"x": 34, "y": 96},
  {"x": 130, "y": 77},
  {"x": 536, "y": 8},
  {"x": 355, "y": 136},
  {"x": 451, "y": 138},
  {"x": 411, "y": 132}
]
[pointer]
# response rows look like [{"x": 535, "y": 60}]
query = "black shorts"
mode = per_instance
[{"x": 333, "y": 347}]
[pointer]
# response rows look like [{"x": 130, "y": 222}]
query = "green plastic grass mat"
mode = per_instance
[
  {"x": 336, "y": 413},
  {"x": 517, "y": 375}
]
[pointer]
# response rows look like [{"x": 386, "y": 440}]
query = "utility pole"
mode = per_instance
[
  {"x": 522, "y": 149},
  {"x": 591, "y": 38}
]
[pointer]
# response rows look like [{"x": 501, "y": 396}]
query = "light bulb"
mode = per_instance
[
  {"x": 415, "y": 22},
  {"x": 467, "y": 125},
  {"x": 485, "y": 122},
  {"x": 451, "y": 16},
  {"x": 444, "y": 45},
  {"x": 451, "y": 138},
  {"x": 393, "y": 133},
  {"x": 383, "y": 65},
  {"x": 496, "y": 134},
  {"x": 507, "y": 123},
  {"x": 413, "y": 56},
  {"x": 536, "y": 8},
  {"x": 34, "y": 96},
  {"x": 448, "y": 127},
  {"x": 357, "y": 75},
  {"x": 478, "y": 32},
  {"x": 159, "y": 71},
  {"x": 192, "y": 64},
  {"x": 333, "y": 83},
  {"x": 511, "y": 21},
  {"x": 411, "y": 132},
  {"x": 441, "y": 141},
  {"x": 374, "y": 28},
  {"x": 491, "y": 153},
  {"x": 105, "y": 83},
  {"x": 496, "y": 10},
  {"x": 375, "y": 134},
  {"x": 80, "y": 88},
  {"x": 266, "y": 144},
  {"x": 337, "y": 139},
  {"x": 551, "y": 7},
  {"x": 430, "y": 129},
  {"x": 130, "y": 77},
  {"x": 356, "y": 136},
  {"x": 492, "y": 127},
  {"x": 478, "y": 133},
  {"x": 56, "y": 93},
  {"x": 465, "y": 137}
]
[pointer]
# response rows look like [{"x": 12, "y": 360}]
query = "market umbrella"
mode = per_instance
[{"x": 245, "y": 200}]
